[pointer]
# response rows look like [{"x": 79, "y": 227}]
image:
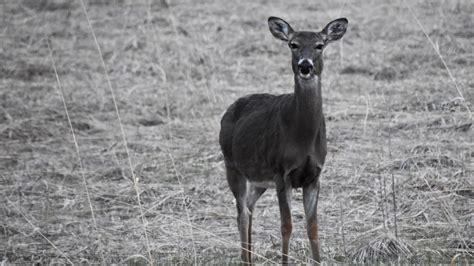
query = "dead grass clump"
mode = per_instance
[
  {"x": 424, "y": 161},
  {"x": 421, "y": 149},
  {"x": 387, "y": 74},
  {"x": 5, "y": 117},
  {"x": 253, "y": 47},
  {"x": 382, "y": 248},
  {"x": 113, "y": 173},
  {"x": 28, "y": 131},
  {"x": 48, "y": 5},
  {"x": 151, "y": 121},
  {"x": 448, "y": 124},
  {"x": 81, "y": 126},
  {"x": 461, "y": 244},
  {"x": 356, "y": 70},
  {"x": 464, "y": 127},
  {"x": 455, "y": 105},
  {"x": 409, "y": 59},
  {"x": 25, "y": 71}
]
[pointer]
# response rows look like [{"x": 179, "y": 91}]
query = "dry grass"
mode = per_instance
[{"x": 391, "y": 109}]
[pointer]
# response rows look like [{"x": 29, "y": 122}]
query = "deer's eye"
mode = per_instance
[
  {"x": 319, "y": 46},
  {"x": 293, "y": 45}
]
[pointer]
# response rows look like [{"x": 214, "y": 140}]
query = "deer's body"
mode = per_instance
[
  {"x": 280, "y": 141},
  {"x": 266, "y": 137}
]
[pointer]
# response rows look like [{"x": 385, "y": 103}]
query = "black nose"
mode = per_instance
[{"x": 305, "y": 67}]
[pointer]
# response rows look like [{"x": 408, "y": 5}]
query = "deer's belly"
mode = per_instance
[
  {"x": 263, "y": 184},
  {"x": 257, "y": 173}
]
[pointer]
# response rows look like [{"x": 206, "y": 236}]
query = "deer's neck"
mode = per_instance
[{"x": 307, "y": 108}]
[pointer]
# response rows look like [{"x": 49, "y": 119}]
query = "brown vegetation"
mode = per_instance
[{"x": 393, "y": 114}]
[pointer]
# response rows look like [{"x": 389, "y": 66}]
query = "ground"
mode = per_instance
[{"x": 398, "y": 181}]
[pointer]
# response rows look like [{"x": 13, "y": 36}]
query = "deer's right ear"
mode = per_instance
[
  {"x": 280, "y": 28},
  {"x": 335, "y": 29}
]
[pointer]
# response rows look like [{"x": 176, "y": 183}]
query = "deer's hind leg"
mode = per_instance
[
  {"x": 238, "y": 186},
  {"x": 254, "y": 194}
]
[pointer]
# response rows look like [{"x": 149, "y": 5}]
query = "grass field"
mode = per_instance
[{"x": 398, "y": 181}]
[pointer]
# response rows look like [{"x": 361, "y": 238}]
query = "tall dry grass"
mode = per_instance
[{"x": 397, "y": 186}]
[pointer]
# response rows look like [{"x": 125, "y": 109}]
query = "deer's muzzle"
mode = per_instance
[{"x": 305, "y": 68}]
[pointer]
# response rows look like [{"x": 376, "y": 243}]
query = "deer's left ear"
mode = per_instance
[
  {"x": 280, "y": 28},
  {"x": 335, "y": 30}
]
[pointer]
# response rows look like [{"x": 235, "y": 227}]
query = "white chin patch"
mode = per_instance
[{"x": 305, "y": 76}]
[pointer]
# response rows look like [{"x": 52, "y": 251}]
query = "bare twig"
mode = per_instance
[
  {"x": 366, "y": 114},
  {"x": 205, "y": 72},
  {"x": 342, "y": 227},
  {"x": 393, "y": 180},
  {"x": 169, "y": 138},
  {"x": 36, "y": 229},
  {"x": 76, "y": 145},
  {"x": 382, "y": 202},
  {"x": 394, "y": 207},
  {"x": 436, "y": 48},
  {"x": 135, "y": 179}
]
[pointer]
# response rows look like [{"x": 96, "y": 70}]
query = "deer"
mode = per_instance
[{"x": 279, "y": 141}]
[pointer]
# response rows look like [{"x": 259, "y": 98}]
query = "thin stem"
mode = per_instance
[{"x": 135, "y": 179}]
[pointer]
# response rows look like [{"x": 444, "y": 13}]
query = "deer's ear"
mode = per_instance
[
  {"x": 335, "y": 30},
  {"x": 280, "y": 28}
]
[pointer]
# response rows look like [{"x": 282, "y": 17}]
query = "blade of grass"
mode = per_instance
[
  {"x": 169, "y": 129},
  {"x": 36, "y": 229},
  {"x": 436, "y": 48},
  {"x": 124, "y": 138},
  {"x": 76, "y": 145}
]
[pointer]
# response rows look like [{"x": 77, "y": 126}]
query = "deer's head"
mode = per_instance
[{"x": 307, "y": 46}]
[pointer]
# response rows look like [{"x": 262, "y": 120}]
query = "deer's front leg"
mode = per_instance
[
  {"x": 310, "y": 202},
  {"x": 284, "y": 194}
]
